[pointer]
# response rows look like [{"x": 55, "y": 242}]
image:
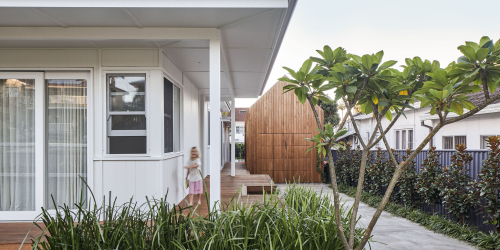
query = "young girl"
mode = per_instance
[{"x": 193, "y": 176}]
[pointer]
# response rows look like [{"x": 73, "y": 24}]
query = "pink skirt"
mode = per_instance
[{"x": 196, "y": 187}]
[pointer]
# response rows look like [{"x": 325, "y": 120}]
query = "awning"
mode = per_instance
[{"x": 346, "y": 135}]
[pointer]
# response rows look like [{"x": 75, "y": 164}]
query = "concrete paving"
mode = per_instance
[{"x": 392, "y": 232}]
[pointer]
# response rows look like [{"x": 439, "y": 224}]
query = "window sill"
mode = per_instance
[{"x": 172, "y": 155}]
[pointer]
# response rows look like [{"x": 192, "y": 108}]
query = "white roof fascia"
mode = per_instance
[
  {"x": 146, "y": 3},
  {"x": 106, "y": 33},
  {"x": 492, "y": 108},
  {"x": 279, "y": 40}
]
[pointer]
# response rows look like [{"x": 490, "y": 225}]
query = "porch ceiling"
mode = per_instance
[{"x": 250, "y": 36}]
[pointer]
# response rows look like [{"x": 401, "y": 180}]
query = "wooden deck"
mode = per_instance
[{"x": 12, "y": 234}]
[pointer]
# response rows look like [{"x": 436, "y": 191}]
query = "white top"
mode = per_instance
[{"x": 194, "y": 173}]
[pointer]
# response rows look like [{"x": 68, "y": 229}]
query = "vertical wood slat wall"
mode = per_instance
[{"x": 275, "y": 128}]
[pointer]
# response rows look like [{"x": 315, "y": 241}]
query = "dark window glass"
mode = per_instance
[
  {"x": 403, "y": 139},
  {"x": 447, "y": 142},
  {"x": 410, "y": 138},
  {"x": 128, "y": 122},
  {"x": 168, "y": 110},
  {"x": 127, "y": 144},
  {"x": 398, "y": 146},
  {"x": 460, "y": 140}
]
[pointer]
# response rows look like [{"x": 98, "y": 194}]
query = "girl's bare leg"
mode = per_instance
[
  {"x": 199, "y": 199},
  {"x": 190, "y": 199}
]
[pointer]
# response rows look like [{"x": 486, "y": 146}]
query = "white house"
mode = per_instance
[
  {"x": 117, "y": 92},
  {"x": 409, "y": 132},
  {"x": 240, "y": 124}
]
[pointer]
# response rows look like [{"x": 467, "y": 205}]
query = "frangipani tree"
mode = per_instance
[{"x": 385, "y": 93}]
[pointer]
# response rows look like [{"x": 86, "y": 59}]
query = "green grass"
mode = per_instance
[
  {"x": 436, "y": 223},
  {"x": 298, "y": 219}
]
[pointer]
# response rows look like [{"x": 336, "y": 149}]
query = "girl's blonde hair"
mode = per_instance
[{"x": 198, "y": 152}]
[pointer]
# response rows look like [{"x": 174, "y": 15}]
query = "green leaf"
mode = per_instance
[
  {"x": 387, "y": 64},
  {"x": 481, "y": 54},
  {"x": 291, "y": 71},
  {"x": 447, "y": 90},
  {"x": 306, "y": 66},
  {"x": 300, "y": 94},
  {"x": 437, "y": 94},
  {"x": 484, "y": 40},
  {"x": 388, "y": 115},
  {"x": 351, "y": 89},
  {"x": 468, "y": 105},
  {"x": 463, "y": 59},
  {"x": 457, "y": 108},
  {"x": 312, "y": 77},
  {"x": 367, "y": 61},
  {"x": 286, "y": 79},
  {"x": 340, "y": 133},
  {"x": 468, "y": 51}
]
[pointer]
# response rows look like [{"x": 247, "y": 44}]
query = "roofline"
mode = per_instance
[
  {"x": 147, "y": 4},
  {"x": 284, "y": 27}
]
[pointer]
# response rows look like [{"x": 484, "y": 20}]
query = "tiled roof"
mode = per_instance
[{"x": 478, "y": 97}]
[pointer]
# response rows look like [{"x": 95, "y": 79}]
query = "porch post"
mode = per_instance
[
  {"x": 233, "y": 139},
  {"x": 215, "y": 123}
]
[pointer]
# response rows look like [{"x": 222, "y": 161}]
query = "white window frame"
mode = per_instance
[
  {"x": 181, "y": 117},
  {"x": 482, "y": 139},
  {"x": 398, "y": 135},
  {"x": 454, "y": 141},
  {"x": 108, "y": 113}
]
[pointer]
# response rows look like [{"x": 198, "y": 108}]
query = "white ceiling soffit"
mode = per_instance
[{"x": 251, "y": 32}]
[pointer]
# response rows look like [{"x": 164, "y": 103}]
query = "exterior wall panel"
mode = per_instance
[{"x": 275, "y": 129}]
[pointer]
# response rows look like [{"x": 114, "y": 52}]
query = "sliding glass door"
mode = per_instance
[
  {"x": 21, "y": 158},
  {"x": 66, "y": 143},
  {"x": 43, "y": 142}
]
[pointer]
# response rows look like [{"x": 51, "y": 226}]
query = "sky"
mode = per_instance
[{"x": 402, "y": 29}]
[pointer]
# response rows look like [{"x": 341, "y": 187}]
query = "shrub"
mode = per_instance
[
  {"x": 455, "y": 185},
  {"x": 375, "y": 173},
  {"x": 428, "y": 181},
  {"x": 300, "y": 219},
  {"x": 406, "y": 183},
  {"x": 488, "y": 185}
]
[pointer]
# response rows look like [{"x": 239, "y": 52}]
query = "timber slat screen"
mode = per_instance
[{"x": 275, "y": 128}]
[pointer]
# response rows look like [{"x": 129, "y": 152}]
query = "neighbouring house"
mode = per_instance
[
  {"x": 240, "y": 124},
  {"x": 276, "y": 127},
  {"x": 409, "y": 132},
  {"x": 117, "y": 92}
]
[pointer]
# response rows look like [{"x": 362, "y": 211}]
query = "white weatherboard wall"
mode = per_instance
[
  {"x": 473, "y": 128},
  {"x": 125, "y": 177}
]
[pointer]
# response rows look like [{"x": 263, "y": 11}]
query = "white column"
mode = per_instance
[
  {"x": 233, "y": 139},
  {"x": 215, "y": 123}
]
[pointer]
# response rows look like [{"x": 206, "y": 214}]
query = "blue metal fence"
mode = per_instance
[{"x": 475, "y": 166}]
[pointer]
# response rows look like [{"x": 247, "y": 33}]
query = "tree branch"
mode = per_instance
[{"x": 473, "y": 111}]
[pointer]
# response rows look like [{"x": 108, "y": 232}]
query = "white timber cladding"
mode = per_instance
[
  {"x": 485, "y": 124},
  {"x": 129, "y": 58}
]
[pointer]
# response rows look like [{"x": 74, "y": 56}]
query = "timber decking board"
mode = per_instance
[{"x": 275, "y": 128}]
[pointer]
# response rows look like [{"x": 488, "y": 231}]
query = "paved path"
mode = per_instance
[{"x": 392, "y": 232}]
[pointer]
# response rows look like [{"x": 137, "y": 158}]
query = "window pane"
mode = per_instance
[
  {"x": 397, "y": 140},
  {"x": 127, "y": 92},
  {"x": 17, "y": 145},
  {"x": 128, "y": 122},
  {"x": 403, "y": 139},
  {"x": 66, "y": 141},
  {"x": 410, "y": 138},
  {"x": 168, "y": 110},
  {"x": 448, "y": 142},
  {"x": 177, "y": 120},
  {"x": 127, "y": 144},
  {"x": 460, "y": 140}
]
